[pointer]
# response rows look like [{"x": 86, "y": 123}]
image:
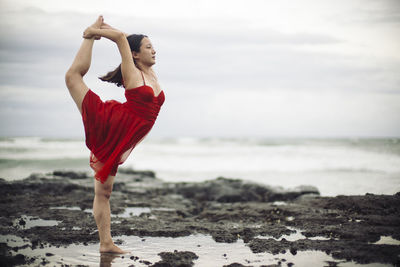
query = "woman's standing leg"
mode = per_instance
[
  {"x": 102, "y": 214},
  {"x": 79, "y": 67}
]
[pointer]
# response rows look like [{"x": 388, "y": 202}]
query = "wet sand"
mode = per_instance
[{"x": 46, "y": 219}]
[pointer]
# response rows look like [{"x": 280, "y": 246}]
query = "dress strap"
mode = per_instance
[{"x": 143, "y": 78}]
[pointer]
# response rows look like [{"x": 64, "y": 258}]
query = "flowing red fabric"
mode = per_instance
[{"x": 113, "y": 129}]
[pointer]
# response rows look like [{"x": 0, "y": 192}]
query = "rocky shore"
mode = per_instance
[{"x": 45, "y": 212}]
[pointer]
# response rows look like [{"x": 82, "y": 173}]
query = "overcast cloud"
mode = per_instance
[{"x": 228, "y": 68}]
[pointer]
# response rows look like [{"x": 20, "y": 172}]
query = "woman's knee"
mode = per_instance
[{"x": 103, "y": 191}]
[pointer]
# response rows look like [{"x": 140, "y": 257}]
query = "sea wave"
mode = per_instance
[{"x": 278, "y": 160}]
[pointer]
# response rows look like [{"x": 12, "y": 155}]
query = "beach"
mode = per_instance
[{"x": 46, "y": 220}]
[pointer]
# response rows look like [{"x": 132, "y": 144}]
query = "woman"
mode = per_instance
[{"x": 113, "y": 129}]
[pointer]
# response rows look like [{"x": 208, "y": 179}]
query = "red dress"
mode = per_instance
[{"x": 113, "y": 129}]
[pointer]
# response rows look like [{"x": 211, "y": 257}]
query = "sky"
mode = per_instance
[{"x": 234, "y": 68}]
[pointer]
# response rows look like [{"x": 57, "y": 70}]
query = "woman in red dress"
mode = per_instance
[{"x": 113, "y": 129}]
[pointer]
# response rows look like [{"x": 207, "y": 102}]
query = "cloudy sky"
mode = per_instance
[{"x": 228, "y": 68}]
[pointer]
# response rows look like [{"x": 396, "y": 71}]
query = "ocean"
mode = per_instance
[{"x": 344, "y": 166}]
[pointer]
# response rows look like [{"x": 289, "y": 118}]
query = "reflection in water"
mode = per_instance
[{"x": 107, "y": 258}]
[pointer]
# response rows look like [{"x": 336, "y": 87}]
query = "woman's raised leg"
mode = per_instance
[
  {"x": 102, "y": 215},
  {"x": 79, "y": 67}
]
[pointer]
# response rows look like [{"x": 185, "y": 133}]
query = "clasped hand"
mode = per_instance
[{"x": 89, "y": 33}]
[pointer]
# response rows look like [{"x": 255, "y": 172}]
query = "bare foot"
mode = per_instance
[
  {"x": 96, "y": 25},
  {"x": 98, "y": 22},
  {"x": 111, "y": 248},
  {"x": 106, "y": 26}
]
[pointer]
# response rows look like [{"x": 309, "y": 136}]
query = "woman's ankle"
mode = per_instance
[{"x": 107, "y": 243}]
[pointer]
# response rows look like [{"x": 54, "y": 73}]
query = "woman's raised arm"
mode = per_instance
[{"x": 130, "y": 73}]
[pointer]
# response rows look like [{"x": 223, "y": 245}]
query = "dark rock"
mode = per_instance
[
  {"x": 224, "y": 237},
  {"x": 22, "y": 222},
  {"x": 134, "y": 258},
  {"x": 7, "y": 259},
  {"x": 119, "y": 186},
  {"x": 365, "y": 205},
  {"x": 71, "y": 174},
  {"x": 149, "y": 174},
  {"x": 119, "y": 242},
  {"x": 332, "y": 263},
  {"x": 235, "y": 264},
  {"x": 176, "y": 259},
  {"x": 44, "y": 261},
  {"x": 234, "y": 190}
]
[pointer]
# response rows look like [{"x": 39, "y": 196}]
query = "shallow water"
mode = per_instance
[
  {"x": 27, "y": 222},
  {"x": 210, "y": 253},
  {"x": 387, "y": 240},
  {"x": 297, "y": 235}
]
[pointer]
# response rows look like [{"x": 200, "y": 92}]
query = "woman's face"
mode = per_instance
[{"x": 147, "y": 54}]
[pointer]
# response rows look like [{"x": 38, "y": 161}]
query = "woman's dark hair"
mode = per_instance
[{"x": 115, "y": 76}]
